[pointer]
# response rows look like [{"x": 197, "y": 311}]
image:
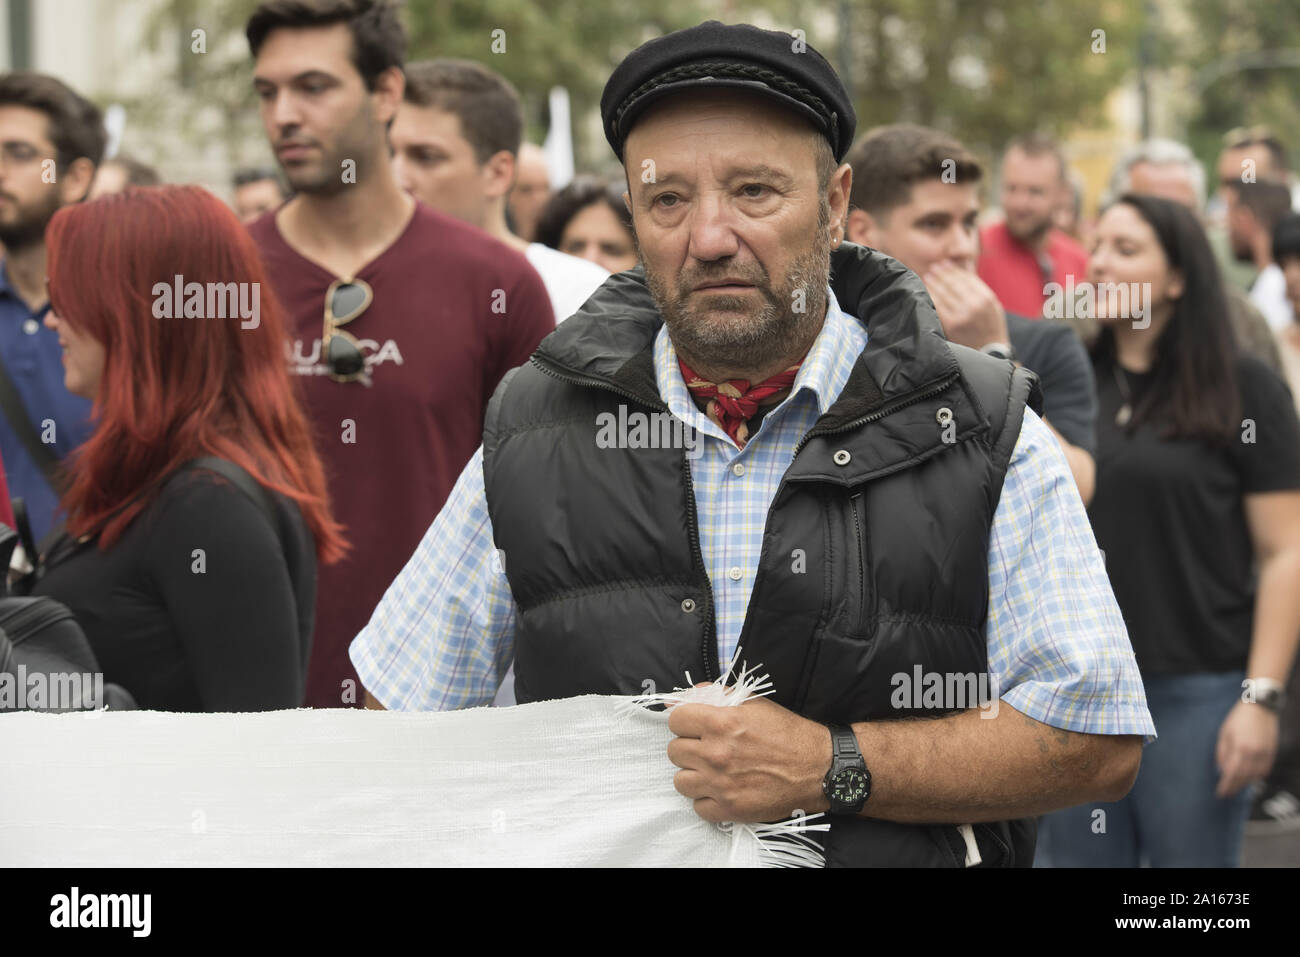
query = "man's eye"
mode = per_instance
[
  {"x": 659, "y": 200},
  {"x": 754, "y": 190}
]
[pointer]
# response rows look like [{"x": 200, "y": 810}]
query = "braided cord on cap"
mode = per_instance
[{"x": 732, "y": 70}]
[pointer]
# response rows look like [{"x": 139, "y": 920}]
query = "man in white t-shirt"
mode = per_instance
[{"x": 455, "y": 142}]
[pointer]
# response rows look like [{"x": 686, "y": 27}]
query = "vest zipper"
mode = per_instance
[
  {"x": 855, "y": 501},
  {"x": 596, "y": 383},
  {"x": 878, "y": 414},
  {"x": 709, "y": 647}
]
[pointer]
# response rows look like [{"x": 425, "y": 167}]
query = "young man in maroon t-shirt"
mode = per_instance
[
  {"x": 402, "y": 320},
  {"x": 1021, "y": 255}
]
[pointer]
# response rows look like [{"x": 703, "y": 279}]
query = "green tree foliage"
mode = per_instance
[
  {"x": 571, "y": 43},
  {"x": 984, "y": 70},
  {"x": 1246, "y": 58}
]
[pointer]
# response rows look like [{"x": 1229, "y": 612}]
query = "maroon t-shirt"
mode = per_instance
[{"x": 453, "y": 311}]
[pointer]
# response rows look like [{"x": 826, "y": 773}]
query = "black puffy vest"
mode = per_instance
[{"x": 874, "y": 558}]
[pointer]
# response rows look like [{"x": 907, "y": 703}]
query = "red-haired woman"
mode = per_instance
[{"x": 197, "y": 510}]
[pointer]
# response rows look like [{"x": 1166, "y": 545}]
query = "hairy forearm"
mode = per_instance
[
  {"x": 965, "y": 768},
  {"x": 1277, "y": 616}
]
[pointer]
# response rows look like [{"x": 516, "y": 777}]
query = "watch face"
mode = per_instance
[{"x": 850, "y": 786}]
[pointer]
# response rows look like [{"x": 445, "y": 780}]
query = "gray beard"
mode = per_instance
[{"x": 729, "y": 332}]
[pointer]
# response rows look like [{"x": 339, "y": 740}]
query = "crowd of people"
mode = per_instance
[{"x": 410, "y": 252}]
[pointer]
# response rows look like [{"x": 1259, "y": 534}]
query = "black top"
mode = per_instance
[
  {"x": 1169, "y": 516},
  {"x": 195, "y": 607},
  {"x": 1053, "y": 351}
]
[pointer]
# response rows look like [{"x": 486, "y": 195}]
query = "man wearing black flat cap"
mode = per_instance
[{"x": 875, "y": 516}]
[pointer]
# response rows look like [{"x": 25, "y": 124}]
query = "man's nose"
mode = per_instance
[
  {"x": 284, "y": 112},
  {"x": 712, "y": 230},
  {"x": 962, "y": 246}
]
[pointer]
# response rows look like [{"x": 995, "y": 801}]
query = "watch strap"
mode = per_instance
[
  {"x": 844, "y": 746},
  {"x": 845, "y": 756}
]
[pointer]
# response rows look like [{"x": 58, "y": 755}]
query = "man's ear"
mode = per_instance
[
  {"x": 498, "y": 174},
  {"x": 837, "y": 195},
  {"x": 74, "y": 182},
  {"x": 387, "y": 94},
  {"x": 863, "y": 229}
]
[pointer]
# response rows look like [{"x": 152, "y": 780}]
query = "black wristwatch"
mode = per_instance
[{"x": 847, "y": 784}]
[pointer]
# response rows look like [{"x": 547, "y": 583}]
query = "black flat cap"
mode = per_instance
[{"x": 739, "y": 56}]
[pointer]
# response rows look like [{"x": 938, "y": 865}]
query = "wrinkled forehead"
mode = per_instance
[{"x": 719, "y": 126}]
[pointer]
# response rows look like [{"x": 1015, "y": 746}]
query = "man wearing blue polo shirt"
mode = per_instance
[{"x": 51, "y": 141}]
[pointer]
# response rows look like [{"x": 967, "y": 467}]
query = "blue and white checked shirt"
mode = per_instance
[{"x": 442, "y": 637}]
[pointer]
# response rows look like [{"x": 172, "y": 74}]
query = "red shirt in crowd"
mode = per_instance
[
  {"x": 1013, "y": 272},
  {"x": 453, "y": 311}
]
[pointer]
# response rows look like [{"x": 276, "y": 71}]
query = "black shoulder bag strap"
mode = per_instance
[
  {"x": 19, "y": 420},
  {"x": 58, "y": 539},
  {"x": 237, "y": 477}
]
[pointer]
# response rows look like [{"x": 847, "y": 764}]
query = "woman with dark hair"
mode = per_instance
[
  {"x": 197, "y": 510},
  {"x": 588, "y": 219},
  {"x": 1197, "y": 512}
]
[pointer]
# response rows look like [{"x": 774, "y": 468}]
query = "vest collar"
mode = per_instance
[{"x": 609, "y": 342}]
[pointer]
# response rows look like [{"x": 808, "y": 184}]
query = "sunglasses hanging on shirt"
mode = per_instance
[{"x": 345, "y": 300}]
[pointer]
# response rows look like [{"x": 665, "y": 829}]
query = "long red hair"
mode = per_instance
[{"x": 176, "y": 389}]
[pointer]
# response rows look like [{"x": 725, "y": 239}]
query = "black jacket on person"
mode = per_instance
[{"x": 889, "y": 500}]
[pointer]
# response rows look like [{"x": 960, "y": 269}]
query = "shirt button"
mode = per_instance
[
  {"x": 841, "y": 457},
  {"x": 736, "y": 574},
  {"x": 738, "y": 469},
  {"x": 31, "y": 327},
  {"x": 688, "y": 605}
]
